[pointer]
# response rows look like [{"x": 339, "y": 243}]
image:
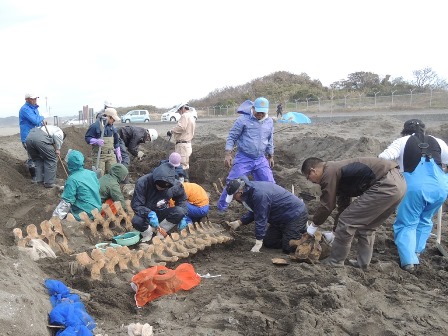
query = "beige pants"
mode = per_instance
[{"x": 185, "y": 150}]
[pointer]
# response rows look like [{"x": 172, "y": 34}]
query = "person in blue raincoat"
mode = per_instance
[
  {"x": 279, "y": 215},
  {"x": 427, "y": 188},
  {"x": 81, "y": 190},
  {"x": 28, "y": 119},
  {"x": 252, "y": 133}
]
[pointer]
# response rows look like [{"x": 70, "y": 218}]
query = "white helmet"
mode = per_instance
[
  {"x": 152, "y": 133},
  {"x": 108, "y": 104}
]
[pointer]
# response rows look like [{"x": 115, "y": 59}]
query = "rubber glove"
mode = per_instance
[
  {"x": 169, "y": 133},
  {"x": 153, "y": 220},
  {"x": 235, "y": 224},
  {"x": 118, "y": 154},
  {"x": 140, "y": 155},
  {"x": 328, "y": 237},
  {"x": 228, "y": 160},
  {"x": 62, "y": 209},
  {"x": 183, "y": 224},
  {"x": 257, "y": 246},
  {"x": 96, "y": 142},
  {"x": 311, "y": 229}
]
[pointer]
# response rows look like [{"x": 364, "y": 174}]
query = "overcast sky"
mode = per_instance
[{"x": 160, "y": 53}]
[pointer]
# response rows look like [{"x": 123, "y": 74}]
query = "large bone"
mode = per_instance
[
  {"x": 112, "y": 259},
  {"x": 148, "y": 252},
  {"x": 18, "y": 237},
  {"x": 166, "y": 247},
  {"x": 158, "y": 252},
  {"x": 49, "y": 234},
  {"x": 94, "y": 264},
  {"x": 180, "y": 244},
  {"x": 125, "y": 256},
  {"x": 57, "y": 227},
  {"x": 111, "y": 218}
]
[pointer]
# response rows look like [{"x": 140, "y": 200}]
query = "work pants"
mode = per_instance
[
  {"x": 364, "y": 215},
  {"x": 185, "y": 150},
  {"x": 107, "y": 156},
  {"x": 41, "y": 151}
]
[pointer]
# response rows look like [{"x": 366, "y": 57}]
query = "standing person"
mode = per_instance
[
  {"x": 183, "y": 134},
  {"x": 109, "y": 144},
  {"x": 130, "y": 139},
  {"x": 43, "y": 145},
  {"x": 151, "y": 200},
  {"x": 379, "y": 188},
  {"x": 280, "y": 110},
  {"x": 110, "y": 190},
  {"x": 279, "y": 215},
  {"x": 253, "y": 135},
  {"x": 427, "y": 188},
  {"x": 28, "y": 119},
  {"x": 81, "y": 190}
]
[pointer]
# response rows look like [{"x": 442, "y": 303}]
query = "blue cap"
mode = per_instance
[{"x": 261, "y": 105}]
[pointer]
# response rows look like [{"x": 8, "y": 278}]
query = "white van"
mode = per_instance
[
  {"x": 136, "y": 116},
  {"x": 173, "y": 115}
]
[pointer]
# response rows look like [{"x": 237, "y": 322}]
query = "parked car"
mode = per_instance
[
  {"x": 173, "y": 115},
  {"x": 136, "y": 116},
  {"x": 76, "y": 121}
]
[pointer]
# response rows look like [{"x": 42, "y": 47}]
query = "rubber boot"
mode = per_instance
[
  {"x": 147, "y": 234},
  {"x": 32, "y": 170}
]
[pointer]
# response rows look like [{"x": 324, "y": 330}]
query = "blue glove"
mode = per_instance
[
  {"x": 153, "y": 220},
  {"x": 97, "y": 142},
  {"x": 183, "y": 224}
]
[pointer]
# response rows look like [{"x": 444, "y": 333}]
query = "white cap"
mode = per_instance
[{"x": 31, "y": 95}]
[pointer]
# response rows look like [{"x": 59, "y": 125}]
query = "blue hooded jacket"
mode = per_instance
[
  {"x": 82, "y": 188},
  {"x": 270, "y": 203},
  {"x": 28, "y": 119}
]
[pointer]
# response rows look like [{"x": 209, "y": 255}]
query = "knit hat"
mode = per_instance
[{"x": 174, "y": 159}]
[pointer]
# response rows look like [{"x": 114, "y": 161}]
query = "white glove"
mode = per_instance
[
  {"x": 311, "y": 229},
  {"x": 328, "y": 237},
  {"x": 235, "y": 224},
  {"x": 140, "y": 155},
  {"x": 257, "y": 246}
]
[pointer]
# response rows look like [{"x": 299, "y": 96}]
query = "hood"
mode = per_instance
[
  {"x": 119, "y": 171},
  {"x": 245, "y": 107},
  {"x": 164, "y": 172},
  {"x": 75, "y": 161}
]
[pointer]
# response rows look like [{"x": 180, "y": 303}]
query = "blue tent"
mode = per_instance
[{"x": 295, "y": 118}]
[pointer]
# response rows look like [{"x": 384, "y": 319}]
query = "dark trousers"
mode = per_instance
[
  {"x": 173, "y": 215},
  {"x": 278, "y": 236}
]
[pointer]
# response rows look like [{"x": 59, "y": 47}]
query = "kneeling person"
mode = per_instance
[
  {"x": 110, "y": 190},
  {"x": 267, "y": 202},
  {"x": 151, "y": 198}
]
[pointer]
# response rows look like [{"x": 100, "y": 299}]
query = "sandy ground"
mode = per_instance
[{"x": 252, "y": 296}]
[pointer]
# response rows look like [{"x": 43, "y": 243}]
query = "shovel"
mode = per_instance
[
  {"x": 96, "y": 168},
  {"x": 440, "y": 247}
]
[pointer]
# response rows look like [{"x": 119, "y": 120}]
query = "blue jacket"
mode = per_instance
[
  {"x": 82, "y": 188},
  {"x": 253, "y": 138},
  {"x": 271, "y": 204},
  {"x": 28, "y": 119},
  {"x": 146, "y": 195},
  {"x": 94, "y": 131}
]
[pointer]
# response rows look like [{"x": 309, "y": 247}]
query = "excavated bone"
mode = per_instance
[
  {"x": 31, "y": 231},
  {"x": 180, "y": 244},
  {"x": 70, "y": 218},
  {"x": 90, "y": 224},
  {"x": 167, "y": 246},
  {"x": 148, "y": 252},
  {"x": 216, "y": 188},
  {"x": 94, "y": 264},
  {"x": 57, "y": 227},
  {"x": 189, "y": 241},
  {"x": 49, "y": 234},
  {"x": 220, "y": 183},
  {"x": 112, "y": 259},
  {"x": 124, "y": 253},
  {"x": 136, "y": 257},
  {"x": 126, "y": 216},
  {"x": 18, "y": 237},
  {"x": 159, "y": 255}
]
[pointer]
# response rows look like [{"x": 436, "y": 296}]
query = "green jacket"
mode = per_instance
[
  {"x": 110, "y": 184},
  {"x": 82, "y": 189}
]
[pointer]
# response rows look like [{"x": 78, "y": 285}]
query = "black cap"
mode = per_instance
[
  {"x": 232, "y": 187},
  {"x": 412, "y": 126}
]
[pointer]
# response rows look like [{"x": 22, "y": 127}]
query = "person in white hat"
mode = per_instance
[
  {"x": 183, "y": 134},
  {"x": 130, "y": 139},
  {"x": 108, "y": 144},
  {"x": 29, "y": 118}
]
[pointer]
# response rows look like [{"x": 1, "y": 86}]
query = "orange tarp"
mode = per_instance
[{"x": 157, "y": 281}]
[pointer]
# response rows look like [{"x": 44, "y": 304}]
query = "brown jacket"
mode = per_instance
[{"x": 344, "y": 179}]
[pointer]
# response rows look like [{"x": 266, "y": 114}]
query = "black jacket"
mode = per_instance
[{"x": 132, "y": 137}]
